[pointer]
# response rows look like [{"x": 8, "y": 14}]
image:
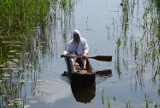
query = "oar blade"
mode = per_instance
[{"x": 102, "y": 58}]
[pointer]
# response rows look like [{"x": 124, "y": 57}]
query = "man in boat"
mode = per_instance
[{"x": 78, "y": 46}]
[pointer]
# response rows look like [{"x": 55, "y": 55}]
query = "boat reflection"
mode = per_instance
[
  {"x": 82, "y": 93},
  {"x": 103, "y": 75},
  {"x": 85, "y": 94}
]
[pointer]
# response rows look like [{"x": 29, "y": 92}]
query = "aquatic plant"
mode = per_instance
[
  {"x": 151, "y": 103},
  {"x": 158, "y": 36},
  {"x": 128, "y": 104},
  {"x": 103, "y": 100},
  {"x": 66, "y": 5},
  {"x": 125, "y": 16},
  {"x": 63, "y": 4},
  {"x": 154, "y": 52},
  {"x": 117, "y": 65},
  {"x": 21, "y": 15},
  {"x": 109, "y": 103},
  {"x": 18, "y": 19},
  {"x": 136, "y": 49},
  {"x": 0, "y": 52},
  {"x": 102, "y": 96},
  {"x": 118, "y": 42}
]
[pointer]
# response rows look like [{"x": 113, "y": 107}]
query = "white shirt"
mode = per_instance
[{"x": 80, "y": 47}]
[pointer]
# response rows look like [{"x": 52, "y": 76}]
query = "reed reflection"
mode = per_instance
[{"x": 60, "y": 22}]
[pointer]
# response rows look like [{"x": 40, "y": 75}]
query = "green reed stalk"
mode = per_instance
[
  {"x": 118, "y": 42},
  {"x": 22, "y": 15},
  {"x": 102, "y": 96},
  {"x": 159, "y": 75},
  {"x": 109, "y": 102},
  {"x": 154, "y": 52},
  {"x": 63, "y": 4},
  {"x": 66, "y": 5},
  {"x": 0, "y": 52}
]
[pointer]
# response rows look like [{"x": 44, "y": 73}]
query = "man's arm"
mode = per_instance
[{"x": 86, "y": 48}]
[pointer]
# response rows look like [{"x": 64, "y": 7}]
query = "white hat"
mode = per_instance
[{"x": 77, "y": 32}]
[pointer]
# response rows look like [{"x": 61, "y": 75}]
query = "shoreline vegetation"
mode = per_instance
[
  {"x": 19, "y": 16},
  {"x": 18, "y": 20},
  {"x": 22, "y": 41}
]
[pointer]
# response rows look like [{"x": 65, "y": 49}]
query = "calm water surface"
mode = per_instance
[{"x": 100, "y": 22}]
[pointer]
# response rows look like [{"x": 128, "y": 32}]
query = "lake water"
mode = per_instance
[{"x": 101, "y": 22}]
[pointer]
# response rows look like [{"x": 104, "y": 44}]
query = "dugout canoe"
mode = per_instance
[{"x": 78, "y": 75}]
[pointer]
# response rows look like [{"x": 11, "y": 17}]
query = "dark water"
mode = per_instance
[{"x": 101, "y": 23}]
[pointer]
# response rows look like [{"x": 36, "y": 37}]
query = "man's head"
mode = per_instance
[{"x": 76, "y": 35}]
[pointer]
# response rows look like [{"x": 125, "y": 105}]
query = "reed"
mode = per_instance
[
  {"x": 158, "y": 36},
  {"x": 128, "y": 104},
  {"x": 66, "y": 5},
  {"x": 154, "y": 52},
  {"x": 0, "y": 52},
  {"x": 18, "y": 18},
  {"x": 63, "y": 4},
  {"x": 118, "y": 42},
  {"x": 102, "y": 96},
  {"x": 109, "y": 102},
  {"x": 22, "y": 15}
]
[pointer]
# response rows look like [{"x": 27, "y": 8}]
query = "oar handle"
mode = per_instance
[{"x": 71, "y": 56}]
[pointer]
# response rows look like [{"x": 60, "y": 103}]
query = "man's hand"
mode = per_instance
[{"x": 84, "y": 55}]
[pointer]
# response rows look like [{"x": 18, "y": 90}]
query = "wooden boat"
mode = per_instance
[
  {"x": 79, "y": 76},
  {"x": 87, "y": 76}
]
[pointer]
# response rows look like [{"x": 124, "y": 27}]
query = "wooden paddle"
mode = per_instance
[{"x": 98, "y": 57}]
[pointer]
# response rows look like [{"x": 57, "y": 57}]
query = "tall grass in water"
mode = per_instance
[
  {"x": 103, "y": 100},
  {"x": 17, "y": 17},
  {"x": 22, "y": 15},
  {"x": 66, "y": 6},
  {"x": 118, "y": 68}
]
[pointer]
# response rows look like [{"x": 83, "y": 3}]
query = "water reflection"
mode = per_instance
[
  {"x": 59, "y": 26},
  {"x": 103, "y": 75},
  {"x": 85, "y": 94},
  {"x": 21, "y": 70},
  {"x": 51, "y": 91}
]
